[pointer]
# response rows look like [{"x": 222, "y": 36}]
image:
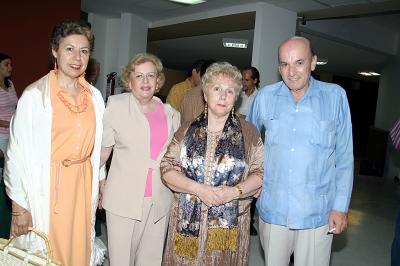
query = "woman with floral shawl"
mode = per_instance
[{"x": 214, "y": 165}]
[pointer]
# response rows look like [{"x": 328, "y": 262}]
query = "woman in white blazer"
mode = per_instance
[{"x": 138, "y": 128}]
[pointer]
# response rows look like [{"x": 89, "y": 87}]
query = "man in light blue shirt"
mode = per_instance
[{"x": 308, "y": 160}]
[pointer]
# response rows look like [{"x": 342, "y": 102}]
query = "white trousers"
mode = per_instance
[
  {"x": 311, "y": 247},
  {"x": 133, "y": 242}
]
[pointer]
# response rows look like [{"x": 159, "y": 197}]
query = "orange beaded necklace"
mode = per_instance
[{"x": 77, "y": 109}]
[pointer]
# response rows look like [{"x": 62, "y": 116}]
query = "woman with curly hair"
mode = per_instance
[{"x": 52, "y": 164}]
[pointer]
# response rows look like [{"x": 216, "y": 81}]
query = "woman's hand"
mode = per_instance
[
  {"x": 227, "y": 194},
  {"x": 102, "y": 184},
  {"x": 208, "y": 195},
  {"x": 21, "y": 220}
]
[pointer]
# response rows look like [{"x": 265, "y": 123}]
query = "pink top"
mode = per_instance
[
  {"x": 158, "y": 137},
  {"x": 8, "y": 103}
]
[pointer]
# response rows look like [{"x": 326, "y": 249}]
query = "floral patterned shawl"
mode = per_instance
[{"x": 228, "y": 165}]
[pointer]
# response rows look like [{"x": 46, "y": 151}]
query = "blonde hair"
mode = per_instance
[
  {"x": 140, "y": 59},
  {"x": 224, "y": 69}
]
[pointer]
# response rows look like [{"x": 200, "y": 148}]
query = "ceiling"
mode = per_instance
[{"x": 205, "y": 41}]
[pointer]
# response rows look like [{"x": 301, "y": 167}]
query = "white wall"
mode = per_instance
[
  {"x": 117, "y": 41},
  {"x": 98, "y": 24},
  {"x": 204, "y": 15},
  {"x": 273, "y": 26},
  {"x": 133, "y": 37}
]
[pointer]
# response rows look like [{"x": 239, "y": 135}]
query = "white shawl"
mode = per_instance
[{"x": 27, "y": 170}]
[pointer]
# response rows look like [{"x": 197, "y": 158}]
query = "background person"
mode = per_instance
[
  {"x": 178, "y": 91},
  {"x": 52, "y": 164},
  {"x": 8, "y": 103},
  {"x": 193, "y": 101},
  {"x": 8, "y": 100},
  {"x": 395, "y": 249},
  {"x": 138, "y": 128},
  {"x": 308, "y": 176},
  {"x": 214, "y": 165},
  {"x": 250, "y": 82},
  {"x": 92, "y": 71}
]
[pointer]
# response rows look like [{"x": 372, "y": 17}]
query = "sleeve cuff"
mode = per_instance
[{"x": 341, "y": 204}]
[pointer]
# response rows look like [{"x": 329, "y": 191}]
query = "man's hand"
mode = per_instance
[{"x": 337, "y": 220}]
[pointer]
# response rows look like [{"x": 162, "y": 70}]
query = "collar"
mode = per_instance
[{"x": 81, "y": 80}]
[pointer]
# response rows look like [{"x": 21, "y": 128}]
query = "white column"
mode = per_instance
[
  {"x": 273, "y": 25},
  {"x": 133, "y": 37},
  {"x": 117, "y": 40}
]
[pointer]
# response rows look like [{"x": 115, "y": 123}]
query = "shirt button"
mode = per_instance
[
  {"x": 292, "y": 149},
  {"x": 79, "y": 124},
  {"x": 294, "y": 129},
  {"x": 297, "y": 110},
  {"x": 290, "y": 170}
]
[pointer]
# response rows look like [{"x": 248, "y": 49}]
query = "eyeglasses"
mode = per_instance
[{"x": 142, "y": 76}]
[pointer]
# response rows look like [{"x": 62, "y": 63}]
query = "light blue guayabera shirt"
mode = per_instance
[{"x": 308, "y": 154}]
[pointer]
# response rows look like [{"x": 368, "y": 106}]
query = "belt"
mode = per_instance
[
  {"x": 69, "y": 162},
  {"x": 58, "y": 164}
]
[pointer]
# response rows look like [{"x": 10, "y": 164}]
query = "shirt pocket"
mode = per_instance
[
  {"x": 271, "y": 131},
  {"x": 324, "y": 134}
]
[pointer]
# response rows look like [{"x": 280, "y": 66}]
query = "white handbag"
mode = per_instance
[{"x": 11, "y": 255}]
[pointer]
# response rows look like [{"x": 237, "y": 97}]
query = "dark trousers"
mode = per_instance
[
  {"x": 5, "y": 212},
  {"x": 396, "y": 242},
  {"x": 252, "y": 210}
]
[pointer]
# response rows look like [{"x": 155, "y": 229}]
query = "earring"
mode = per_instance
[
  {"x": 205, "y": 110},
  {"x": 55, "y": 65},
  {"x": 233, "y": 111}
]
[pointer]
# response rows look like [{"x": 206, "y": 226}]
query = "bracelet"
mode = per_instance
[
  {"x": 18, "y": 213},
  {"x": 239, "y": 189}
]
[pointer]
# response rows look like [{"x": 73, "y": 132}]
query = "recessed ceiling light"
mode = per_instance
[
  {"x": 188, "y": 2},
  {"x": 234, "y": 43},
  {"x": 322, "y": 61},
  {"x": 368, "y": 73}
]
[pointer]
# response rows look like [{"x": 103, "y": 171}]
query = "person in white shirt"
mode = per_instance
[
  {"x": 250, "y": 81},
  {"x": 250, "y": 84}
]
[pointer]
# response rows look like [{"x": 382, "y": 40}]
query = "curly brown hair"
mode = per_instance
[{"x": 70, "y": 27}]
